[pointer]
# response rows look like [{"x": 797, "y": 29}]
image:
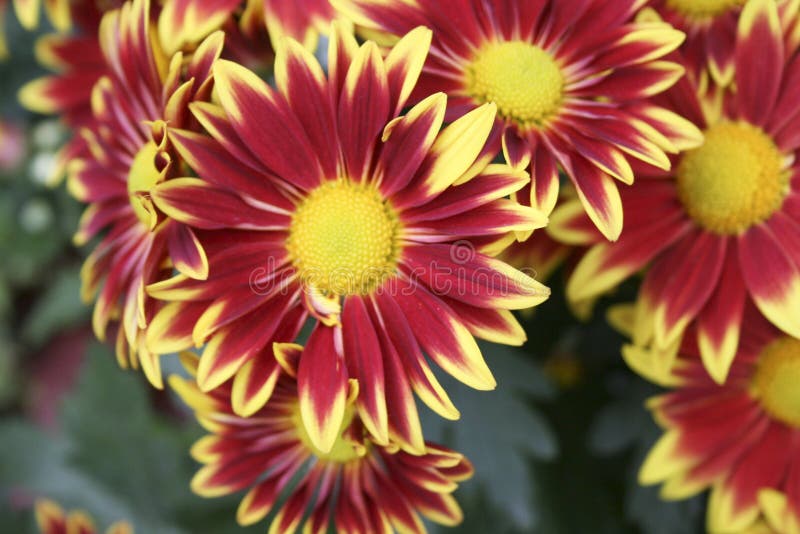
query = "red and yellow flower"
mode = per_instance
[
  {"x": 710, "y": 28},
  {"x": 740, "y": 439},
  {"x": 723, "y": 227},
  {"x": 185, "y": 23},
  {"x": 129, "y": 153},
  {"x": 52, "y": 519},
  {"x": 29, "y": 12},
  {"x": 78, "y": 63},
  {"x": 570, "y": 79},
  {"x": 542, "y": 254},
  {"x": 331, "y": 205},
  {"x": 356, "y": 486}
]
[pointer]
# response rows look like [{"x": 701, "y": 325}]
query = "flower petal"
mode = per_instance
[
  {"x": 197, "y": 203},
  {"x": 363, "y": 355},
  {"x": 772, "y": 278},
  {"x": 363, "y": 110},
  {"x": 759, "y": 60},
  {"x": 262, "y": 119},
  {"x": 322, "y": 388},
  {"x": 443, "y": 337}
]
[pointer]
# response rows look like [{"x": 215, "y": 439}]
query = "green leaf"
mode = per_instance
[
  {"x": 116, "y": 457},
  {"x": 624, "y": 425},
  {"x": 500, "y": 431},
  {"x": 59, "y": 307}
]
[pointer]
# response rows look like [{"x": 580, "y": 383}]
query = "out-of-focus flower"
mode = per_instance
[
  {"x": 52, "y": 519},
  {"x": 723, "y": 227},
  {"x": 29, "y": 12},
  {"x": 184, "y": 23},
  {"x": 710, "y": 28},
  {"x": 374, "y": 224},
  {"x": 541, "y": 254},
  {"x": 570, "y": 79},
  {"x": 129, "y": 153},
  {"x": 13, "y": 146},
  {"x": 740, "y": 439},
  {"x": 302, "y": 20},
  {"x": 356, "y": 486},
  {"x": 79, "y": 63}
]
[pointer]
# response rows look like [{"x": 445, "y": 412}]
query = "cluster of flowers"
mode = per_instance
[{"x": 364, "y": 201}]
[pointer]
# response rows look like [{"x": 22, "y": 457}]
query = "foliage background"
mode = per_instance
[{"x": 556, "y": 447}]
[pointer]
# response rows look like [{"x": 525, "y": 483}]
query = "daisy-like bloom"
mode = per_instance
[
  {"x": 78, "y": 63},
  {"x": 375, "y": 225},
  {"x": 52, "y": 519},
  {"x": 723, "y": 227},
  {"x": 301, "y": 20},
  {"x": 710, "y": 27},
  {"x": 540, "y": 255},
  {"x": 13, "y": 145},
  {"x": 29, "y": 11},
  {"x": 570, "y": 79},
  {"x": 129, "y": 153},
  {"x": 59, "y": 13},
  {"x": 357, "y": 486},
  {"x": 740, "y": 439},
  {"x": 185, "y": 23}
]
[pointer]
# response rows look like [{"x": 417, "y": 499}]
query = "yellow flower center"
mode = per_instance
[
  {"x": 523, "y": 80},
  {"x": 699, "y": 9},
  {"x": 776, "y": 380},
  {"x": 734, "y": 180},
  {"x": 343, "y": 450},
  {"x": 143, "y": 176},
  {"x": 342, "y": 238}
]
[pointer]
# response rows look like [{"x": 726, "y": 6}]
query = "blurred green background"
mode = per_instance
[{"x": 556, "y": 447}]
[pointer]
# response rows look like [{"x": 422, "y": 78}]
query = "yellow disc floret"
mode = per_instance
[
  {"x": 343, "y": 238},
  {"x": 700, "y": 9},
  {"x": 143, "y": 176},
  {"x": 776, "y": 380},
  {"x": 523, "y": 80},
  {"x": 735, "y": 180}
]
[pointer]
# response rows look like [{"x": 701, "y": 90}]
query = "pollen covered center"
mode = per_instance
[
  {"x": 703, "y": 8},
  {"x": 735, "y": 180},
  {"x": 523, "y": 81},
  {"x": 776, "y": 380},
  {"x": 342, "y": 238}
]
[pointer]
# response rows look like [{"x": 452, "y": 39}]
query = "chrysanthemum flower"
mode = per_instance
[
  {"x": 539, "y": 255},
  {"x": 740, "y": 439},
  {"x": 302, "y": 20},
  {"x": 129, "y": 154},
  {"x": 184, "y": 23},
  {"x": 59, "y": 13},
  {"x": 542, "y": 254},
  {"x": 52, "y": 519},
  {"x": 723, "y": 227},
  {"x": 78, "y": 63},
  {"x": 570, "y": 79},
  {"x": 710, "y": 28},
  {"x": 333, "y": 206},
  {"x": 357, "y": 486}
]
